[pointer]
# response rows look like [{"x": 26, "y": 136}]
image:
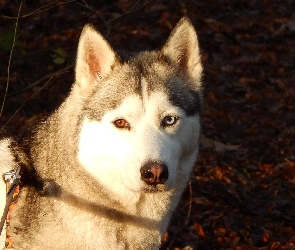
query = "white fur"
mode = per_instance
[
  {"x": 116, "y": 209},
  {"x": 94, "y": 58},
  {"x": 114, "y": 156}
]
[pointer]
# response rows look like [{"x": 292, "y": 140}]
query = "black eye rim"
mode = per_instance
[
  {"x": 164, "y": 124},
  {"x": 127, "y": 125}
]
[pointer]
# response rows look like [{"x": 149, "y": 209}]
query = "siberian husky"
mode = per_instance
[{"x": 107, "y": 168}]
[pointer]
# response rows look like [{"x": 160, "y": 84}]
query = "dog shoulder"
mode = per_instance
[{"x": 6, "y": 155}]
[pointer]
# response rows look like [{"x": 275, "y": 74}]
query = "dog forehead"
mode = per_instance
[
  {"x": 111, "y": 92},
  {"x": 142, "y": 75},
  {"x": 157, "y": 75}
]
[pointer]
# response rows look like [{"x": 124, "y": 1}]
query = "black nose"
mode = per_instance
[{"x": 154, "y": 173}]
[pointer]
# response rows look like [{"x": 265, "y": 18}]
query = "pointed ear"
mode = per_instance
[
  {"x": 182, "y": 49},
  {"x": 95, "y": 57}
]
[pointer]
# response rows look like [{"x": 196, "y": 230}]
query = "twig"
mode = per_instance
[
  {"x": 40, "y": 10},
  {"x": 110, "y": 22},
  {"x": 173, "y": 237},
  {"x": 9, "y": 61},
  {"x": 129, "y": 12},
  {"x": 92, "y": 11},
  {"x": 57, "y": 73},
  {"x": 26, "y": 100},
  {"x": 190, "y": 203}
]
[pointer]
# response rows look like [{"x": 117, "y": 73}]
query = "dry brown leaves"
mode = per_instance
[{"x": 243, "y": 192}]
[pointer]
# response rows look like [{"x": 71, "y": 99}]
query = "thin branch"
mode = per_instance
[
  {"x": 46, "y": 7},
  {"x": 40, "y": 10},
  {"x": 129, "y": 12},
  {"x": 190, "y": 203},
  {"x": 9, "y": 61},
  {"x": 92, "y": 11},
  {"x": 32, "y": 85},
  {"x": 173, "y": 237},
  {"x": 23, "y": 104},
  {"x": 52, "y": 5},
  {"x": 134, "y": 6}
]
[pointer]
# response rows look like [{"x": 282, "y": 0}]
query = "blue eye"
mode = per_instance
[{"x": 168, "y": 121}]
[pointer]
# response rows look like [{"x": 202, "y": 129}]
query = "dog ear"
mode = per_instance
[
  {"x": 95, "y": 57},
  {"x": 182, "y": 49}
]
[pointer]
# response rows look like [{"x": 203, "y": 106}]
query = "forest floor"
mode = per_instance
[{"x": 242, "y": 191}]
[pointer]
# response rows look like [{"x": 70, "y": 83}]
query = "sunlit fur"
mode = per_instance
[
  {"x": 120, "y": 153},
  {"x": 81, "y": 180}
]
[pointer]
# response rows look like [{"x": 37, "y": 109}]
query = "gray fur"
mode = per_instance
[{"x": 62, "y": 206}]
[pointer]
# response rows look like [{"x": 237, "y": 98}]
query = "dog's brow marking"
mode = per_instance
[
  {"x": 110, "y": 179},
  {"x": 144, "y": 92}
]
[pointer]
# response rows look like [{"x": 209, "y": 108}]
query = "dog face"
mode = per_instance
[
  {"x": 135, "y": 135},
  {"x": 140, "y": 123}
]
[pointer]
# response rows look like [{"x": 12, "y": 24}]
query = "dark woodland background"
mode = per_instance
[{"x": 242, "y": 191}]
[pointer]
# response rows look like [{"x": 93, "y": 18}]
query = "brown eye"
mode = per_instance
[{"x": 121, "y": 123}]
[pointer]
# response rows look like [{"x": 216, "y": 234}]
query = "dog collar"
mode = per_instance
[{"x": 11, "y": 179}]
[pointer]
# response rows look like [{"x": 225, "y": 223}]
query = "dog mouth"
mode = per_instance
[{"x": 154, "y": 188}]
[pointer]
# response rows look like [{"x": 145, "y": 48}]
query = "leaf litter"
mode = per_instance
[{"x": 242, "y": 193}]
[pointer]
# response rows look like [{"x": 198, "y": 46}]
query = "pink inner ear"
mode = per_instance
[{"x": 93, "y": 64}]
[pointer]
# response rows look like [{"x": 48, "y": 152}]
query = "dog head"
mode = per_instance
[{"x": 140, "y": 121}]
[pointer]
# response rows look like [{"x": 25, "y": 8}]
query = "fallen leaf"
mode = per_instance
[{"x": 199, "y": 230}]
